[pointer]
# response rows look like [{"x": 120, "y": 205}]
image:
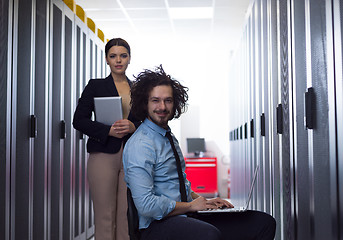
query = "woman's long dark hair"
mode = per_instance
[{"x": 145, "y": 82}]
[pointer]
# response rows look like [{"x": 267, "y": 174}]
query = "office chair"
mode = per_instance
[{"x": 132, "y": 218}]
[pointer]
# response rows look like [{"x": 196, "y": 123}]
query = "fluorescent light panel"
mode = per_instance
[{"x": 191, "y": 13}]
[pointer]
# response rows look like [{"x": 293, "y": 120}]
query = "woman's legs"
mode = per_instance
[
  {"x": 121, "y": 218},
  {"x": 102, "y": 180},
  {"x": 104, "y": 170}
]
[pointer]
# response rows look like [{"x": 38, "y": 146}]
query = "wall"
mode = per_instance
[
  {"x": 47, "y": 57},
  {"x": 286, "y": 86},
  {"x": 201, "y": 64}
]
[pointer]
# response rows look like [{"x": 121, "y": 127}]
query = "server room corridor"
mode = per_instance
[{"x": 281, "y": 109}]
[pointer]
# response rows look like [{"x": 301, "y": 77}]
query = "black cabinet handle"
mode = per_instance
[
  {"x": 309, "y": 108},
  {"x": 263, "y": 125},
  {"x": 33, "y": 126},
  {"x": 80, "y": 135},
  {"x": 252, "y": 134},
  {"x": 63, "y": 130},
  {"x": 246, "y": 130},
  {"x": 279, "y": 117}
]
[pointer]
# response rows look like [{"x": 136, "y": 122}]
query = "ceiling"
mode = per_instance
[{"x": 119, "y": 18}]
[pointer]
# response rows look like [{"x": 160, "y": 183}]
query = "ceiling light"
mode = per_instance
[{"x": 191, "y": 13}]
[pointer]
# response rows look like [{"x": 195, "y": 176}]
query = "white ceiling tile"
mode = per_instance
[
  {"x": 243, "y": 4},
  {"x": 116, "y": 29},
  {"x": 106, "y": 15},
  {"x": 229, "y": 15},
  {"x": 143, "y": 3},
  {"x": 150, "y": 17},
  {"x": 190, "y": 3},
  {"x": 98, "y": 4},
  {"x": 153, "y": 27},
  {"x": 197, "y": 27},
  {"x": 155, "y": 13},
  {"x": 116, "y": 24},
  {"x": 191, "y": 13}
]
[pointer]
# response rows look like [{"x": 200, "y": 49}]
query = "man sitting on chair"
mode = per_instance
[{"x": 161, "y": 192}]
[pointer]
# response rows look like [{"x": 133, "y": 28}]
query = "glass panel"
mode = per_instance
[
  {"x": 67, "y": 181},
  {"x": 56, "y": 121},
  {"x": 40, "y": 147},
  {"x": 78, "y": 135},
  {"x": 4, "y": 142},
  {"x": 22, "y": 145}
]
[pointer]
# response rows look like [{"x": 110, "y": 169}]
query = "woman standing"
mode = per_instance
[{"x": 105, "y": 144}]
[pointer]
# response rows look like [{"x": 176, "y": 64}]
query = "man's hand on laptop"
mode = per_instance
[
  {"x": 216, "y": 203},
  {"x": 200, "y": 203}
]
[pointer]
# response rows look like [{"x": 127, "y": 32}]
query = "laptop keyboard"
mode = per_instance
[{"x": 240, "y": 209}]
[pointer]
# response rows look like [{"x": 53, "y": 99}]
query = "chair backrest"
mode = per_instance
[{"x": 132, "y": 217}]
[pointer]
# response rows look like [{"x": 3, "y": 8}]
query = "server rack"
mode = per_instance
[
  {"x": 44, "y": 68},
  {"x": 335, "y": 91},
  {"x": 301, "y": 155},
  {"x": 292, "y": 53},
  {"x": 6, "y": 13}
]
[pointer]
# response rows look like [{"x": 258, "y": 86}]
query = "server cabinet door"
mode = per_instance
[
  {"x": 69, "y": 106},
  {"x": 82, "y": 211},
  {"x": 336, "y": 134},
  {"x": 41, "y": 105},
  {"x": 301, "y": 156},
  {"x": 22, "y": 117},
  {"x": 318, "y": 136},
  {"x": 6, "y": 10},
  {"x": 285, "y": 98},
  {"x": 57, "y": 121}
]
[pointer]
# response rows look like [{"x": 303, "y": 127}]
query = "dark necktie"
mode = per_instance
[{"x": 179, "y": 170}]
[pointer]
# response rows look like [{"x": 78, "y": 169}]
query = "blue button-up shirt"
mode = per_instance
[{"x": 151, "y": 173}]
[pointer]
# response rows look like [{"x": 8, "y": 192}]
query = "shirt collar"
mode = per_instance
[{"x": 156, "y": 128}]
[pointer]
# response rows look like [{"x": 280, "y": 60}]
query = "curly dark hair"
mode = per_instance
[{"x": 145, "y": 82}]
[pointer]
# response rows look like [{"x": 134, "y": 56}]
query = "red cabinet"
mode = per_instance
[{"x": 202, "y": 173}]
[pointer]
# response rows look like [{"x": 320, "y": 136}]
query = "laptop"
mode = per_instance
[
  {"x": 108, "y": 110},
  {"x": 236, "y": 208}
]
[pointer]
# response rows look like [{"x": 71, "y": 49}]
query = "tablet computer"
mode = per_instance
[{"x": 108, "y": 110}]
